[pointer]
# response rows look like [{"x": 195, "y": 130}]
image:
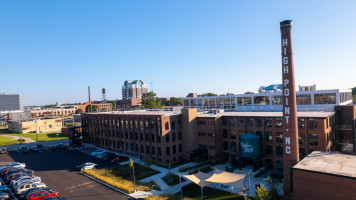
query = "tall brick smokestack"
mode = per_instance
[
  {"x": 290, "y": 128},
  {"x": 89, "y": 94}
]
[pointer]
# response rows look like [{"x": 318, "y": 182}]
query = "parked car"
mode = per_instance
[
  {"x": 26, "y": 186},
  {"x": 15, "y": 164},
  {"x": 32, "y": 190},
  {"x": 15, "y": 177},
  {"x": 54, "y": 198},
  {"x": 22, "y": 178},
  {"x": 34, "y": 149},
  {"x": 109, "y": 156},
  {"x": 61, "y": 146},
  {"x": 3, "y": 150},
  {"x": 3, "y": 188},
  {"x": 53, "y": 147},
  {"x": 19, "y": 174},
  {"x": 41, "y": 195},
  {"x": 97, "y": 153},
  {"x": 4, "y": 196},
  {"x": 23, "y": 149},
  {"x": 119, "y": 159},
  {"x": 26, "y": 181},
  {"x": 87, "y": 165}
]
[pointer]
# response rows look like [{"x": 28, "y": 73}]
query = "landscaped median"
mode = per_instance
[{"x": 121, "y": 177}]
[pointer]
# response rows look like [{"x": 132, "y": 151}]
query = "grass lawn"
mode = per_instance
[
  {"x": 172, "y": 179},
  {"x": 193, "y": 191},
  {"x": 42, "y": 136},
  {"x": 7, "y": 141},
  {"x": 121, "y": 176}
]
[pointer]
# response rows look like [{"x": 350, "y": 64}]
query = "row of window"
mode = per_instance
[
  {"x": 132, "y": 123},
  {"x": 302, "y": 99},
  {"x": 203, "y": 134},
  {"x": 139, "y": 148},
  {"x": 313, "y": 138},
  {"x": 233, "y": 121},
  {"x": 143, "y": 137}
]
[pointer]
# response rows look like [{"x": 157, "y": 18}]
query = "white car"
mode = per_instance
[
  {"x": 98, "y": 153},
  {"x": 87, "y": 165},
  {"x": 14, "y": 165},
  {"x": 26, "y": 181},
  {"x": 24, "y": 187},
  {"x": 21, "y": 178}
]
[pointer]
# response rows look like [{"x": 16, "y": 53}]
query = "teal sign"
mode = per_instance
[{"x": 249, "y": 145}]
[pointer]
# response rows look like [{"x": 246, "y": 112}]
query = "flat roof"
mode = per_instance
[
  {"x": 315, "y": 114},
  {"x": 329, "y": 163},
  {"x": 141, "y": 112}
]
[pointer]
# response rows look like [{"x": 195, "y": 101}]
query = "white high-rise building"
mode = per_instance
[{"x": 11, "y": 102}]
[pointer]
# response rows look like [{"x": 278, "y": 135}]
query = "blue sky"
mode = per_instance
[{"x": 52, "y": 50}]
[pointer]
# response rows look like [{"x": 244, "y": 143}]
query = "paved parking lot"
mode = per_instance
[{"x": 56, "y": 168}]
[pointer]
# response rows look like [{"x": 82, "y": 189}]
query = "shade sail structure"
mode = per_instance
[
  {"x": 227, "y": 178},
  {"x": 219, "y": 176},
  {"x": 199, "y": 178}
]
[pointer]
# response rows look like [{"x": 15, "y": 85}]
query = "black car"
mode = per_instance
[
  {"x": 53, "y": 147},
  {"x": 34, "y": 149},
  {"x": 3, "y": 150},
  {"x": 32, "y": 190},
  {"x": 23, "y": 149},
  {"x": 61, "y": 146},
  {"x": 109, "y": 156}
]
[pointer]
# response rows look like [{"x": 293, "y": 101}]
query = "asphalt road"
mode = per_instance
[{"x": 56, "y": 169}]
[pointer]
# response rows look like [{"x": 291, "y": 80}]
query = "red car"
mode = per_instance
[
  {"x": 41, "y": 195},
  {"x": 121, "y": 159}
]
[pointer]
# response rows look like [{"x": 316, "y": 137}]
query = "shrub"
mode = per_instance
[
  {"x": 260, "y": 173},
  {"x": 184, "y": 169},
  {"x": 115, "y": 181}
]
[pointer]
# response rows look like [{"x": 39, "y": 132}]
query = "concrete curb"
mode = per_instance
[{"x": 107, "y": 185}]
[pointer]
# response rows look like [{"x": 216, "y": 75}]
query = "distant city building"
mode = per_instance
[
  {"x": 44, "y": 125},
  {"x": 6, "y": 116},
  {"x": 46, "y": 112},
  {"x": 133, "y": 89},
  {"x": 102, "y": 106},
  {"x": 11, "y": 102}
]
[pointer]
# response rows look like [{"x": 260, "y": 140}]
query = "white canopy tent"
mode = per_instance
[
  {"x": 219, "y": 176},
  {"x": 227, "y": 178}
]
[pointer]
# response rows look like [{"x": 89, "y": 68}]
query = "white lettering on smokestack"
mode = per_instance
[
  {"x": 288, "y": 143},
  {"x": 285, "y": 69},
  {"x": 285, "y": 42}
]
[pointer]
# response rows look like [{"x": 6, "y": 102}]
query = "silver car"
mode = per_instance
[{"x": 23, "y": 187}]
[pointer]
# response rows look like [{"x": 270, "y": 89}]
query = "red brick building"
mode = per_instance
[
  {"x": 153, "y": 134},
  {"x": 219, "y": 134},
  {"x": 325, "y": 176}
]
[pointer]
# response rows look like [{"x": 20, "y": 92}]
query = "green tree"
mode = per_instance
[
  {"x": 209, "y": 94},
  {"x": 261, "y": 193},
  {"x": 150, "y": 101},
  {"x": 78, "y": 111},
  {"x": 354, "y": 94},
  {"x": 104, "y": 110},
  {"x": 227, "y": 94},
  {"x": 249, "y": 92},
  {"x": 113, "y": 104},
  {"x": 174, "y": 101},
  {"x": 91, "y": 108}
]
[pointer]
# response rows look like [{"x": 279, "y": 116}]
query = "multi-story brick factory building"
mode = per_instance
[
  {"x": 146, "y": 134},
  {"x": 168, "y": 136}
]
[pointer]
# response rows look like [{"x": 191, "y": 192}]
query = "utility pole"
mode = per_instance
[{"x": 21, "y": 129}]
